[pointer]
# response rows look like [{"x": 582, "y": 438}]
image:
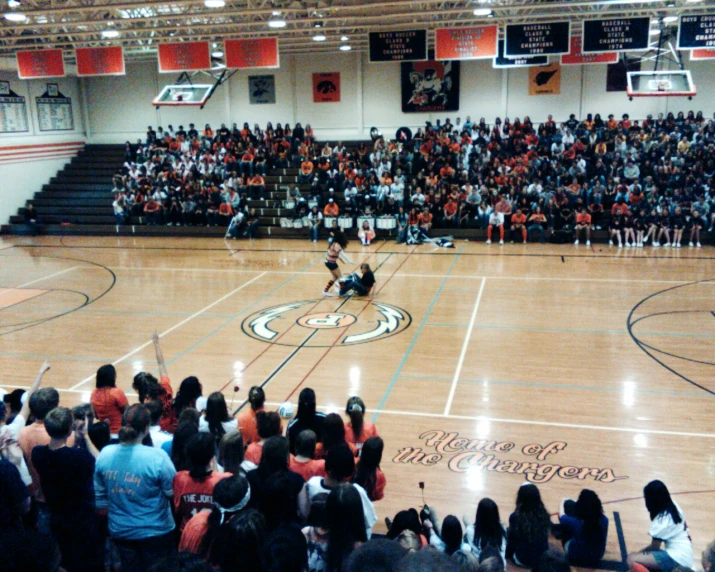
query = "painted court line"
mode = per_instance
[
  {"x": 141, "y": 347},
  {"x": 463, "y": 353},
  {"x": 26, "y": 284},
  {"x": 523, "y": 422}
]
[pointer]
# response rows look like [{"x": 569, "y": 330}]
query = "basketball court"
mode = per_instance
[{"x": 482, "y": 366}]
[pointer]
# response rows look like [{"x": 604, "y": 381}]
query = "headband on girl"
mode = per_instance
[
  {"x": 356, "y": 407},
  {"x": 241, "y": 505}
]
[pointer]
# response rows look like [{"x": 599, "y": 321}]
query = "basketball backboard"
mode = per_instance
[
  {"x": 660, "y": 84},
  {"x": 185, "y": 94}
]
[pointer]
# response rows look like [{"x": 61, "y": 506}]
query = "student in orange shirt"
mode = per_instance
[
  {"x": 108, "y": 401},
  {"x": 258, "y": 187},
  {"x": 518, "y": 223},
  {"x": 331, "y": 208},
  {"x": 306, "y": 171},
  {"x": 304, "y": 462},
  {"x": 247, "y": 417},
  {"x": 357, "y": 431},
  {"x": 583, "y": 222},
  {"x": 333, "y": 435},
  {"x": 225, "y": 213},
  {"x": 368, "y": 473},
  {"x": 268, "y": 424}
]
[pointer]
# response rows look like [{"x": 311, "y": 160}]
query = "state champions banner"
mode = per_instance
[
  {"x": 40, "y": 63},
  {"x": 466, "y": 43},
  {"x": 184, "y": 56},
  {"x": 100, "y": 61},
  {"x": 576, "y": 57},
  {"x": 255, "y": 53}
]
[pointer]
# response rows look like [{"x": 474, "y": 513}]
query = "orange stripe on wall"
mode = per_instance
[
  {"x": 38, "y": 152},
  {"x": 42, "y": 146}
]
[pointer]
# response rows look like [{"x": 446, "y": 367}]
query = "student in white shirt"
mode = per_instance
[
  {"x": 158, "y": 437},
  {"x": 671, "y": 545}
]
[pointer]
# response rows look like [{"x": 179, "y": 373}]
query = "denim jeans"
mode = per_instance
[
  {"x": 314, "y": 230},
  {"x": 141, "y": 555}
]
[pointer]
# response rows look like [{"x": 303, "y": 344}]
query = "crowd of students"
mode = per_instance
[
  {"x": 649, "y": 180},
  {"x": 175, "y": 482}
]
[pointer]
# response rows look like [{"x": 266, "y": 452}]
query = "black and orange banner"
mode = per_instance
[
  {"x": 466, "y": 43},
  {"x": 40, "y": 63},
  {"x": 100, "y": 61},
  {"x": 577, "y": 58},
  {"x": 184, "y": 56},
  {"x": 246, "y": 54},
  {"x": 326, "y": 87},
  {"x": 545, "y": 80}
]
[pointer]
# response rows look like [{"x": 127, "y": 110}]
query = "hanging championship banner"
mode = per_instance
[
  {"x": 696, "y": 32},
  {"x": 503, "y": 62},
  {"x": 184, "y": 56},
  {"x": 404, "y": 46},
  {"x": 702, "y": 55},
  {"x": 100, "y": 61},
  {"x": 615, "y": 35},
  {"x": 40, "y": 63},
  {"x": 576, "y": 57},
  {"x": 545, "y": 80},
  {"x": 550, "y": 39},
  {"x": 261, "y": 89},
  {"x": 430, "y": 86},
  {"x": 326, "y": 87},
  {"x": 466, "y": 43},
  {"x": 258, "y": 53}
]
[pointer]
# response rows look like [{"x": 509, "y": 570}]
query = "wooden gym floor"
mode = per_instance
[{"x": 481, "y": 366}]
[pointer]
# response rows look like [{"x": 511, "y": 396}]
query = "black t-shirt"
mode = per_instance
[
  {"x": 13, "y": 492},
  {"x": 67, "y": 478},
  {"x": 297, "y": 425},
  {"x": 367, "y": 279}
]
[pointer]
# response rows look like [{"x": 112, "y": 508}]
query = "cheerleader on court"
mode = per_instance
[
  {"x": 615, "y": 230},
  {"x": 336, "y": 250},
  {"x": 678, "y": 224},
  {"x": 629, "y": 230},
  {"x": 663, "y": 228},
  {"x": 641, "y": 224},
  {"x": 651, "y": 222}
]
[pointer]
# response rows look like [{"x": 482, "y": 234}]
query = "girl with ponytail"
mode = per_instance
[
  {"x": 357, "y": 431},
  {"x": 247, "y": 417}
]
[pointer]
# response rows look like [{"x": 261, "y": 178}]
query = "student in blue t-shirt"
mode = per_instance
[
  {"x": 585, "y": 529},
  {"x": 134, "y": 483}
]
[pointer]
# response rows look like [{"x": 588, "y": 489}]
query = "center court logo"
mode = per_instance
[{"x": 305, "y": 323}]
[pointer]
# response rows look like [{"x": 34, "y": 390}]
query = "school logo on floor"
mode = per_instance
[{"x": 326, "y": 323}]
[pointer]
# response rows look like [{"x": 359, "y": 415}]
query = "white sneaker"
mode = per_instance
[
  {"x": 610, "y": 243},
  {"x": 501, "y": 243},
  {"x": 588, "y": 243},
  {"x": 645, "y": 240},
  {"x": 667, "y": 244},
  {"x": 329, "y": 294},
  {"x": 640, "y": 245},
  {"x": 620, "y": 245},
  {"x": 489, "y": 241},
  {"x": 655, "y": 244},
  {"x": 575, "y": 242},
  {"x": 691, "y": 244},
  {"x": 678, "y": 245},
  {"x": 698, "y": 245}
]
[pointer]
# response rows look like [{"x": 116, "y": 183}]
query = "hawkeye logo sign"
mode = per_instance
[{"x": 300, "y": 324}]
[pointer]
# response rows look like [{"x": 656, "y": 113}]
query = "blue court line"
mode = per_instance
[
  {"x": 575, "y": 331},
  {"x": 554, "y": 385},
  {"x": 232, "y": 318},
  {"x": 415, "y": 337},
  {"x": 638, "y": 295}
]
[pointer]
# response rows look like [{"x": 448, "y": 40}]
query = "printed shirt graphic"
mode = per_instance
[{"x": 191, "y": 496}]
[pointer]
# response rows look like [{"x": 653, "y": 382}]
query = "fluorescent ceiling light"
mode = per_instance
[
  {"x": 482, "y": 12},
  {"x": 669, "y": 19},
  {"x": 214, "y": 3},
  {"x": 277, "y": 21},
  {"x": 345, "y": 48},
  {"x": 217, "y": 54},
  {"x": 15, "y": 16},
  {"x": 13, "y": 3},
  {"x": 319, "y": 38},
  {"x": 110, "y": 33},
  {"x": 344, "y": 39},
  {"x": 654, "y": 32}
]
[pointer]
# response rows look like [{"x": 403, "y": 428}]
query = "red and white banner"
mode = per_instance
[
  {"x": 702, "y": 54},
  {"x": 184, "y": 56},
  {"x": 577, "y": 58},
  {"x": 100, "y": 61},
  {"x": 466, "y": 43},
  {"x": 40, "y": 63},
  {"x": 258, "y": 53},
  {"x": 326, "y": 87}
]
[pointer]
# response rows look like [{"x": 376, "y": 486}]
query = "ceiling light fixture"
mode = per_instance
[
  {"x": 109, "y": 34},
  {"x": 344, "y": 38},
  {"x": 217, "y": 54},
  {"x": 654, "y": 31},
  {"x": 214, "y": 3},
  {"x": 319, "y": 38},
  {"x": 482, "y": 11},
  {"x": 669, "y": 19},
  {"x": 13, "y": 3},
  {"x": 276, "y": 20},
  {"x": 15, "y": 17},
  {"x": 345, "y": 48}
]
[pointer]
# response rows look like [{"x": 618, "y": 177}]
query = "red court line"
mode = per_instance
[
  {"x": 342, "y": 333},
  {"x": 273, "y": 343}
]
